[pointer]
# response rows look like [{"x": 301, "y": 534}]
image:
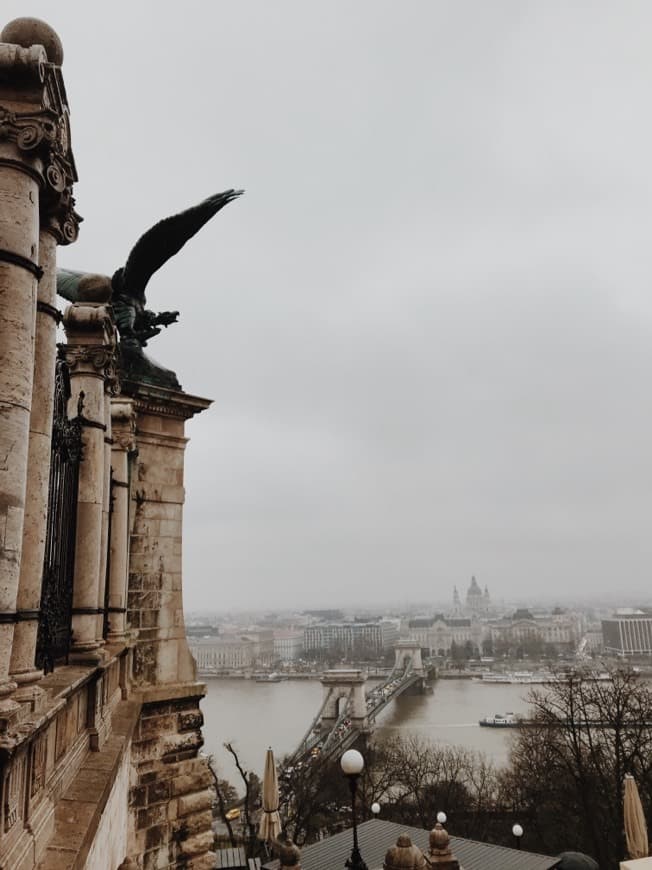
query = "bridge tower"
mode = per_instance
[
  {"x": 344, "y": 683},
  {"x": 405, "y": 650}
]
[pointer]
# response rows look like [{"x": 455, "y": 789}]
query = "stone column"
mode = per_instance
[
  {"x": 109, "y": 388},
  {"x": 37, "y": 172},
  {"x": 38, "y": 469},
  {"x": 123, "y": 429},
  {"x": 20, "y": 181},
  {"x": 90, "y": 355}
]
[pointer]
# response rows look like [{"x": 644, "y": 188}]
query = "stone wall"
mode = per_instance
[{"x": 173, "y": 794}]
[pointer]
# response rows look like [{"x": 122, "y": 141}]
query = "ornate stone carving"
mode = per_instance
[
  {"x": 46, "y": 136},
  {"x": 100, "y": 357},
  {"x": 24, "y": 64}
]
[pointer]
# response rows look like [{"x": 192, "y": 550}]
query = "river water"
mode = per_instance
[{"x": 254, "y": 716}]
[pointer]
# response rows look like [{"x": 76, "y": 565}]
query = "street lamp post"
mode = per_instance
[
  {"x": 352, "y": 764},
  {"x": 517, "y": 831}
]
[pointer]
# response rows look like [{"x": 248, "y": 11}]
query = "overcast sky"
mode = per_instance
[{"x": 427, "y": 326}]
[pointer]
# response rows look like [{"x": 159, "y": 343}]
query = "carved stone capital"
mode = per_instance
[
  {"x": 45, "y": 136},
  {"x": 97, "y": 357},
  {"x": 99, "y": 360}
]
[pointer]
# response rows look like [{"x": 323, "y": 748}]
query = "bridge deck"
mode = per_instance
[{"x": 345, "y": 731}]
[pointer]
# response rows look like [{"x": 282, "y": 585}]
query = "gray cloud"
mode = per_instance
[{"x": 427, "y": 325}]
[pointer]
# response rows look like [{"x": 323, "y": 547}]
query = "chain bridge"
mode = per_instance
[{"x": 348, "y": 710}]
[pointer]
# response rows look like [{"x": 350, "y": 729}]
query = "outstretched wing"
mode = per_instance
[
  {"x": 166, "y": 238},
  {"x": 68, "y": 284}
]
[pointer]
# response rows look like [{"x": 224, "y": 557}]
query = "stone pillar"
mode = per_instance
[
  {"x": 38, "y": 469},
  {"x": 90, "y": 355},
  {"x": 123, "y": 429},
  {"x": 110, "y": 388},
  {"x": 37, "y": 172},
  {"x": 173, "y": 790},
  {"x": 155, "y": 606},
  {"x": 19, "y": 228}
]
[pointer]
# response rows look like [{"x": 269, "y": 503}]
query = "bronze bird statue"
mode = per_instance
[{"x": 137, "y": 324}]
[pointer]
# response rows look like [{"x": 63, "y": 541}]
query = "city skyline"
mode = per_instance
[{"x": 426, "y": 326}]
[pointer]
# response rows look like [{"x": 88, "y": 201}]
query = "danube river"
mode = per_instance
[{"x": 254, "y": 716}]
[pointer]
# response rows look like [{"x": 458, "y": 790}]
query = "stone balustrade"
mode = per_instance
[{"x": 42, "y": 755}]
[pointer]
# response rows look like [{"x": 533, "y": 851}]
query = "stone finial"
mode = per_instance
[
  {"x": 289, "y": 854},
  {"x": 27, "y": 32},
  {"x": 94, "y": 288},
  {"x": 440, "y": 854},
  {"x": 404, "y": 856}
]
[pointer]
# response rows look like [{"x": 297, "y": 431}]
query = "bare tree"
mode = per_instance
[
  {"x": 225, "y": 794},
  {"x": 567, "y": 768}
]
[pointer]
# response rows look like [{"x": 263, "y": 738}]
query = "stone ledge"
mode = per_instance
[
  {"x": 78, "y": 813},
  {"x": 170, "y": 692}
]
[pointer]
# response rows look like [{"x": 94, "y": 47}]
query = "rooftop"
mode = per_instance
[{"x": 376, "y": 836}]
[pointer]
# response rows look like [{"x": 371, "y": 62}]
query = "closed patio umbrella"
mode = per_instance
[
  {"x": 270, "y": 822},
  {"x": 634, "y": 817}
]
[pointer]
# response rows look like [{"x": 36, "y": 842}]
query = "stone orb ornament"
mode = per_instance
[
  {"x": 94, "y": 288},
  {"x": 27, "y": 32}
]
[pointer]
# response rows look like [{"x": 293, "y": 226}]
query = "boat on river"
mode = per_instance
[
  {"x": 500, "y": 720},
  {"x": 270, "y": 678},
  {"x": 528, "y": 678}
]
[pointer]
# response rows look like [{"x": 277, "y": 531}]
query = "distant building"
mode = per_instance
[
  {"x": 202, "y": 630},
  {"x": 628, "y": 634},
  {"x": 438, "y": 633},
  {"x": 327, "y": 615},
  {"x": 222, "y": 654},
  {"x": 263, "y": 641},
  {"x": 349, "y": 636},
  {"x": 474, "y": 597},
  {"x": 559, "y": 628},
  {"x": 288, "y": 644}
]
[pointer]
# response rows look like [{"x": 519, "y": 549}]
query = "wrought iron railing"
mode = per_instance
[{"x": 54, "y": 631}]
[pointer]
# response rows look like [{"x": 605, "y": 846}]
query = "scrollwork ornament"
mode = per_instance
[{"x": 46, "y": 135}]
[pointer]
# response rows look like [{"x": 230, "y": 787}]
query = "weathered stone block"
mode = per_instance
[
  {"x": 138, "y": 797},
  {"x": 189, "y": 782},
  {"x": 152, "y": 816},
  {"x": 203, "y": 862},
  {"x": 157, "y": 859},
  {"x": 198, "y": 844},
  {"x": 194, "y": 822},
  {"x": 191, "y": 720},
  {"x": 158, "y": 791},
  {"x": 194, "y": 803},
  {"x": 156, "y": 836}
]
